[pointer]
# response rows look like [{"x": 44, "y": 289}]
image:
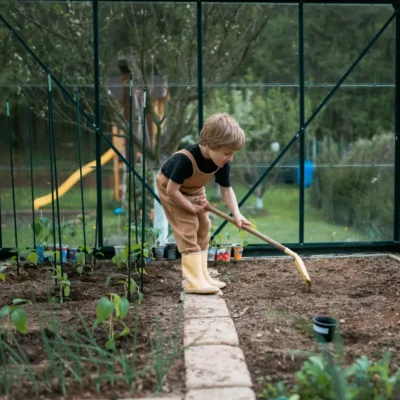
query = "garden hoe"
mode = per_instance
[{"x": 299, "y": 262}]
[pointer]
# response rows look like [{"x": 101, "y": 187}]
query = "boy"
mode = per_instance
[{"x": 181, "y": 187}]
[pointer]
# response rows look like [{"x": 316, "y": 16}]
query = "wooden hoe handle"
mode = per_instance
[{"x": 261, "y": 236}]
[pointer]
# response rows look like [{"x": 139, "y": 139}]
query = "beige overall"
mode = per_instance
[{"x": 192, "y": 231}]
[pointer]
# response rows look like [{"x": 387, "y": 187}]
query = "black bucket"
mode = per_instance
[{"x": 324, "y": 328}]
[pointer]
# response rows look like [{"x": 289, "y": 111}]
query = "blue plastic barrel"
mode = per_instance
[{"x": 308, "y": 173}]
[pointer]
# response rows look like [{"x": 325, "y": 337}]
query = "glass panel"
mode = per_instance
[
  {"x": 249, "y": 44},
  {"x": 162, "y": 59},
  {"x": 59, "y": 33},
  {"x": 350, "y": 196},
  {"x": 269, "y": 118},
  {"x": 335, "y": 35}
]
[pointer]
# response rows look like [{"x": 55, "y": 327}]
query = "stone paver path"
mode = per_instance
[{"x": 214, "y": 363}]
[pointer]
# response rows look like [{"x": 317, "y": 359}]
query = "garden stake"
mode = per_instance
[
  {"x": 299, "y": 262},
  {"x": 31, "y": 168},
  {"x": 78, "y": 125}
]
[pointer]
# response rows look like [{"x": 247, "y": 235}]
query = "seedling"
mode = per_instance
[
  {"x": 91, "y": 253},
  {"x": 132, "y": 286},
  {"x": 122, "y": 259},
  {"x": 65, "y": 284},
  {"x": 40, "y": 227},
  {"x": 15, "y": 315},
  {"x": 24, "y": 254},
  {"x": 154, "y": 234},
  {"x": 115, "y": 309}
]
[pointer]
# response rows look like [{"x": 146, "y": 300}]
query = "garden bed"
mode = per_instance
[
  {"x": 273, "y": 309},
  {"x": 162, "y": 356}
]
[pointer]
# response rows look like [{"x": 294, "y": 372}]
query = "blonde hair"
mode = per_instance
[{"x": 222, "y": 130}]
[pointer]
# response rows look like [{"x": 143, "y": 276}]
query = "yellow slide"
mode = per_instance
[{"x": 73, "y": 179}]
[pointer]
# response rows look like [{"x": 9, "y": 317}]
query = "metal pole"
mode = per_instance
[
  {"x": 53, "y": 155},
  {"x": 78, "y": 123},
  {"x": 132, "y": 154},
  {"x": 200, "y": 83},
  {"x": 143, "y": 187},
  {"x": 396, "y": 5},
  {"x": 314, "y": 114},
  {"x": 12, "y": 182},
  {"x": 130, "y": 189},
  {"x": 302, "y": 118},
  {"x": 31, "y": 166},
  {"x": 96, "y": 60}
]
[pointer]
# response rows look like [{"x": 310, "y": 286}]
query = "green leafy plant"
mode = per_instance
[
  {"x": 115, "y": 309},
  {"x": 63, "y": 281},
  {"x": 2, "y": 277},
  {"x": 154, "y": 234},
  {"x": 122, "y": 258},
  {"x": 322, "y": 377},
  {"x": 92, "y": 254},
  {"x": 69, "y": 231},
  {"x": 41, "y": 229},
  {"x": 219, "y": 240},
  {"x": 15, "y": 315},
  {"x": 24, "y": 254}
]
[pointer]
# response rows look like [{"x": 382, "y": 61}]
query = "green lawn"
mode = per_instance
[{"x": 279, "y": 219}]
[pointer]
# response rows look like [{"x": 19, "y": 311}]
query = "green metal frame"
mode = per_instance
[{"x": 301, "y": 134}]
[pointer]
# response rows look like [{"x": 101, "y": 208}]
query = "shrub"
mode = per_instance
[{"x": 357, "y": 194}]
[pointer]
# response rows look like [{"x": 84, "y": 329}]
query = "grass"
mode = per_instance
[{"x": 279, "y": 219}]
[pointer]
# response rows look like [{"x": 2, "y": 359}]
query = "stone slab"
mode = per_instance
[
  {"x": 154, "y": 398},
  {"x": 215, "y": 366},
  {"x": 235, "y": 393},
  {"x": 208, "y": 331},
  {"x": 204, "y": 306}
]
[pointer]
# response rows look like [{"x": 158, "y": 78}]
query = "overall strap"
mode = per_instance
[{"x": 191, "y": 158}]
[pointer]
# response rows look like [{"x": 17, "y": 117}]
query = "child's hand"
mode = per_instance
[
  {"x": 240, "y": 221},
  {"x": 199, "y": 205}
]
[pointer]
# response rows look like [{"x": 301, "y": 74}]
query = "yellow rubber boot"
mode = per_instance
[
  {"x": 210, "y": 280},
  {"x": 193, "y": 271}
]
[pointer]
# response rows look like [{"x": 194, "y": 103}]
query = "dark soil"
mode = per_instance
[
  {"x": 162, "y": 287},
  {"x": 273, "y": 309}
]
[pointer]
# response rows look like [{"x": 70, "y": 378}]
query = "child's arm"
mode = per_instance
[
  {"x": 175, "y": 194},
  {"x": 229, "y": 197}
]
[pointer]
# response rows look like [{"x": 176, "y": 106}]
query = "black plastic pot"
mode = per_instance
[
  {"x": 159, "y": 253},
  {"x": 171, "y": 251},
  {"x": 324, "y": 328}
]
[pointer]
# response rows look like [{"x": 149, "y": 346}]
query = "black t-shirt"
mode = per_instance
[{"x": 179, "y": 167}]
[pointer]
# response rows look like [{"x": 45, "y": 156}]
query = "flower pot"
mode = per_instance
[
  {"x": 237, "y": 251},
  {"x": 64, "y": 252},
  {"x": 40, "y": 249},
  {"x": 72, "y": 253},
  {"x": 224, "y": 254},
  {"x": 211, "y": 253},
  {"x": 171, "y": 251},
  {"x": 159, "y": 253},
  {"x": 118, "y": 250},
  {"x": 324, "y": 328}
]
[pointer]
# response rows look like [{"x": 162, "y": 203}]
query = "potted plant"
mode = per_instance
[
  {"x": 212, "y": 250},
  {"x": 69, "y": 233},
  {"x": 158, "y": 250},
  {"x": 238, "y": 247},
  {"x": 40, "y": 228},
  {"x": 223, "y": 250},
  {"x": 74, "y": 248}
]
